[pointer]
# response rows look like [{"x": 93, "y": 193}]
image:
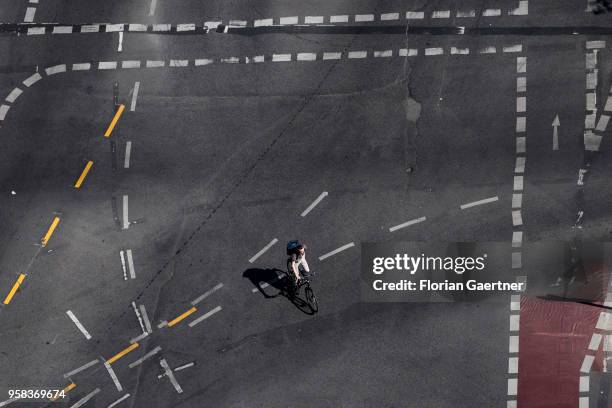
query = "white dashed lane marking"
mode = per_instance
[
  {"x": 130, "y": 262},
  {"x": 206, "y": 294},
  {"x": 128, "y": 153},
  {"x": 146, "y": 356},
  {"x": 126, "y": 222},
  {"x": 113, "y": 376},
  {"x": 263, "y": 250},
  {"x": 314, "y": 204},
  {"x": 29, "y": 15},
  {"x": 145, "y": 318},
  {"x": 335, "y": 251},
  {"x": 277, "y": 58},
  {"x": 407, "y": 224},
  {"x": 479, "y": 202},
  {"x": 120, "y": 400},
  {"x": 78, "y": 324},
  {"x": 86, "y": 398},
  {"x": 12, "y": 97},
  {"x": 205, "y": 316},
  {"x": 81, "y": 368}
]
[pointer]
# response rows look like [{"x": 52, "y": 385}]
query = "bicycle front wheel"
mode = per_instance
[{"x": 311, "y": 299}]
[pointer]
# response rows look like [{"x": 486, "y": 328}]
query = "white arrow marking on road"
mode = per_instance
[{"x": 555, "y": 126}]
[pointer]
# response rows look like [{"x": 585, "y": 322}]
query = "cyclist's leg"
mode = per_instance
[
  {"x": 306, "y": 269},
  {"x": 292, "y": 284}
]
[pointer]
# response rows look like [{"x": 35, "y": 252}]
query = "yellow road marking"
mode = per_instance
[
  {"x": 52, "y": 228},
  {"x": 121, "y": 353},
  {"x": 66, "y": 389},
  {"x": 114, "y": 121},
  {"x": 83, "y": 174},
  {"x": 14, "y": 289},
  {"x": 181, "y": 317}
]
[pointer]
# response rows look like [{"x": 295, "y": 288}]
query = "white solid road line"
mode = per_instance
[
  {"x": 479, "y": 202},
  {"x": 335, "y": 251},
  {"x": 120, "y": 400},
  {"x": 170, "y": 375},
  {"x": 205, "y": 316},
  {"x": 407, "y": 224},
  {"x": 128, "y": 152},
  {"x": 111, "y": 372},
  {"x": 264, "y": 249},
  {"x": 314, "y": 203},
  {"x": 145, "y": 317},
  {"x": 130, "y": 260},
  {"x": 152, "y": 7},
  {"x": 206, "y": 294},
  {"x": 146, "y": 356},
  {"x": 78, "y": 324},
  {"x": 135, "y": 96},
  {"x": 126, "y": 222},
  {"x": 86, "y": 398},
  {"x": 81, "y": 368}
]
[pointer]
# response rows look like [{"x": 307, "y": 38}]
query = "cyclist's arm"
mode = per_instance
[{"x": 295, "y": 270}]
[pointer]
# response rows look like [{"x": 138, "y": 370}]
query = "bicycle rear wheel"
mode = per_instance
[{"x": 311, "y": 299}]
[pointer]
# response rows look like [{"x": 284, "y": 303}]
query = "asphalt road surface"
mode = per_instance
[{"x": 234, "y": 127}]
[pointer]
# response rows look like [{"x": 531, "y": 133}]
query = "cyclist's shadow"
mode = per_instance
[{"x": 264, "y": 279}]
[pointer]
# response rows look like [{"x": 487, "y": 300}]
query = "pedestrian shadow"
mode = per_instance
[{"x": 264, "y": 279}]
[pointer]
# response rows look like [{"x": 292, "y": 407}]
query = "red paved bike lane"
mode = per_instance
[{"x": 553, "y": 339}]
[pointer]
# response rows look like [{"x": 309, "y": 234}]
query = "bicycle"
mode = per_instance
[{"x": 294, "y": 290}]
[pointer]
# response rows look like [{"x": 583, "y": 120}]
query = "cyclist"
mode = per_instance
[{"x": 296, "y": 253}]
